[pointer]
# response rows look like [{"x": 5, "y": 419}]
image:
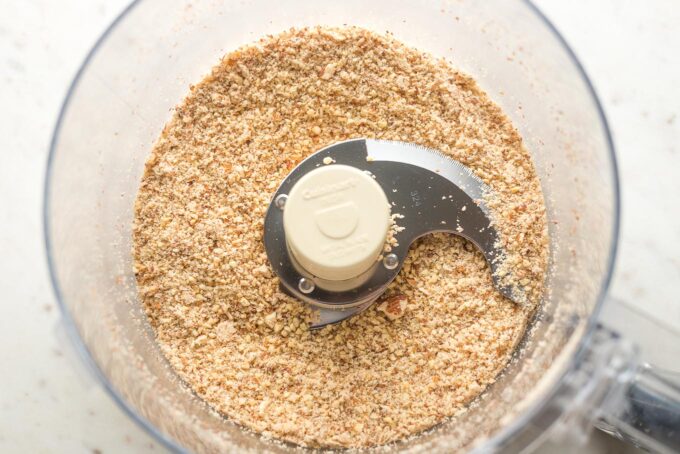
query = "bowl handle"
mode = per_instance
[
  {"x": 613, "y": 389},
  {"x": 643, "y": 408}
]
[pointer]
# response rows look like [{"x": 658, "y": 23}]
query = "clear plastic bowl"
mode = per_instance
[{"x": 142, "y": 66}]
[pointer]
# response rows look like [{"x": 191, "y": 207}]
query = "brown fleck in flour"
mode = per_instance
[{"x": 213, "y": 301}]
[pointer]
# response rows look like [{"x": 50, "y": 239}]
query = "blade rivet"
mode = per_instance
[
  {"x": 391, "y": 261},
  {"x": 306, "y": 285},
  {"x": 280, "y": 201}
]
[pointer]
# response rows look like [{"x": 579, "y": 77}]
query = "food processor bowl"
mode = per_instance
[{"x": 142, "y": 67}]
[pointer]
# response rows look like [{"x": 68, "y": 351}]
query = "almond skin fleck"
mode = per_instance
[{"x": 394, "y": 306}]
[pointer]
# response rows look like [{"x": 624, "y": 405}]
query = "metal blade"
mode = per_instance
[
  {"x": 435, "y": 193},
  {"x": 430, "y": 159},
  {"x": 427, "y": 190}
]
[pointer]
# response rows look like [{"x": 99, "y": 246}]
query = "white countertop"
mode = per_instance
[{"x": 629, "y": 48}]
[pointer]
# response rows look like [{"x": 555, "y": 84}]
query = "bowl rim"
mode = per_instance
[{"x": 509, "y": 432}]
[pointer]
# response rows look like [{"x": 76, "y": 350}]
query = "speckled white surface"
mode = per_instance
[{"x": 47, "y": 404}]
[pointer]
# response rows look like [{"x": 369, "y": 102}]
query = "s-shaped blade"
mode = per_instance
[{"x": 429, "y": 192}]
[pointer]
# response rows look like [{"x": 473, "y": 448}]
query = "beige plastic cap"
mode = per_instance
[{"x": 336, "y": 220}]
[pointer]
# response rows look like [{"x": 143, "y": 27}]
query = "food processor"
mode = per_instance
[{"x": 568, "y": 374}]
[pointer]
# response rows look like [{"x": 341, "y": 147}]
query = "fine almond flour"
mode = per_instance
[{"x": 440, "y": 335}]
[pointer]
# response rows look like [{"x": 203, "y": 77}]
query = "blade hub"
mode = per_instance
[{"x": 335, "y": 221}]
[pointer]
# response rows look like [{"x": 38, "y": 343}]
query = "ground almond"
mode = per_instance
[{"x": 201, "y": 263}]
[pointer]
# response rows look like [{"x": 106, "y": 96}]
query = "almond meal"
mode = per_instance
[{"x": 442, "y": 332}]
